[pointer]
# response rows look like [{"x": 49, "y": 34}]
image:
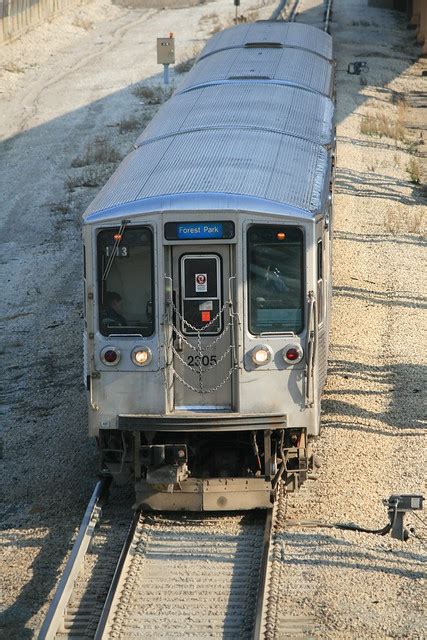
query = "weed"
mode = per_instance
[
  {"x": 209, "y": 17},
  {"x": 414, "y": 170},
  {"x": 151, "y": 95},
  {"x": 94, "y": 176},
  {"x": 12, "y": 67},
  {"x": 60, "y": 207},
  {"x": 184, "y": 66},
  {"x": 253, "y": 15},
  {"x": 83, "y": 23},
  {"x": 400, "y": 220},
  {"x": 412, "y": 146},
  {"x": 100, "y": 152},
  {"x": 129, "y": 124},
  {"x": 372, "y": 167},
  {"x": 392, "y": 221},
  {"x": 382, "y": 125},
  {"x": 212, "y": 18},
  {"x": 415, "y": 223}
]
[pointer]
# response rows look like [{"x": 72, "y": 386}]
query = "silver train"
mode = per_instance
[{"x": 207, "y": 278}]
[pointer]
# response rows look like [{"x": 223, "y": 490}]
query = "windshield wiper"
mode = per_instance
[{"x": 118, "y": 236}]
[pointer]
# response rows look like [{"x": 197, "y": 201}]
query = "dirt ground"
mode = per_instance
[{"x": 75, "y": 82}]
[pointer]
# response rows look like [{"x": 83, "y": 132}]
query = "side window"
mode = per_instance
[
  {"x": 320, "y": 281},
  {"x": 125, "y": 281}
]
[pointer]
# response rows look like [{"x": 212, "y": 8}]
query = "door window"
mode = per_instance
[{"x": 201, "y": 294}]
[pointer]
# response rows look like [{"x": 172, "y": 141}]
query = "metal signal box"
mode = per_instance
[{"x": 165, "y": 50}]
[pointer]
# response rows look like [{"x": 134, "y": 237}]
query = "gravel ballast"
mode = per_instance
[{"x": 72, "y": 81}]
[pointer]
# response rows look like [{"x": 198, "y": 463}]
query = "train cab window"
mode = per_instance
[
  {"x": 275, "y": 279},
  {"x": 125, "y": 278},
  {"x": 320, "y": 282}
]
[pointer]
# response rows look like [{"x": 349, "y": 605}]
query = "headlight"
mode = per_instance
[
  {"x": 110, "y": 356},
  {"x": 141, "y": 356},
  {"x": 261, "y": 355},
  {"x": 292, "y": 354}
]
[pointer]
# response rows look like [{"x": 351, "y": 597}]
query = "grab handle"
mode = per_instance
[{"x": 311, "y": 349}]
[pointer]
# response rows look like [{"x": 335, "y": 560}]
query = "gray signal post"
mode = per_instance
[
  {"x": 166, "y": 54},
  {"x": 237, "y": 5}
]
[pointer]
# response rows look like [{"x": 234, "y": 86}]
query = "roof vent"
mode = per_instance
[{"x": 263, "y": 45}]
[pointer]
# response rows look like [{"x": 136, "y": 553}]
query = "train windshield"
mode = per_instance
[
  {"x": 125, "y": 276},
  {"x": 275, "y": 279}
]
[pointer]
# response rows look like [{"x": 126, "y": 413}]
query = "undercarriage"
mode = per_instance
[{"x": 210, "y": 470}]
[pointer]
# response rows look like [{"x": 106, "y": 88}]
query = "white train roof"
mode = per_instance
[
  {"x": 222, "y": 142},
  {"x": 294, "y": 67},
  {"x": 241, "y": 162},
  {"x": 288, "y": 110},
  {"x": 271, "y": 34}
]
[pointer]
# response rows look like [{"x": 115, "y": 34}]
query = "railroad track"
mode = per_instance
[
  {"x": 188, "y": 576},
  {"x": 177, "y": 575},
  {"x": 290, "y": 10}
]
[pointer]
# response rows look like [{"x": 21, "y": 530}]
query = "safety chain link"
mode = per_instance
[
  {"x": 206, "y": 326},
  {"x": 199, "y": 370},
  {"x": 209, "y": 345},
  {"x": 199, "y": 349},
  {"x": 202, "y": 389}
]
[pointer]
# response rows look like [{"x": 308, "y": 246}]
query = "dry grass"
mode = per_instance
[
  {"x": 381, "y": 125},
  {"x": 414, "y": 170},
  {"x": 400, "y": 220},
  {"x": 372, "y": 166},
  {"x": 93, "y": 176},
  {"x": 253, "y": 15},
  {"x": 61, "y": 208},
  {"x": 184, "y": 66},
  {"x": 213, "y": 20},
  {"x": 129, "y": 124},
  {"x": 99, "y": 152},
  {"x": 12, "y": 67},
  {"x": 83, "y": 23},
  {"x": 150, "y": 94}
]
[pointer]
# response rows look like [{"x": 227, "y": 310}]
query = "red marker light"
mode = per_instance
[
  {"x": 292, "y": 354},
  {"x": 206, "y": 316},
  {"x": 110, "y": 356}
]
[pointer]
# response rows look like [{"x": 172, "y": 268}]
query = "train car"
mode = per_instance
[{"x": 207, "y": 278}]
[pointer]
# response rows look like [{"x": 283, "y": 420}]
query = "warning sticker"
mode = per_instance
[{"x": 201, "y": 282}]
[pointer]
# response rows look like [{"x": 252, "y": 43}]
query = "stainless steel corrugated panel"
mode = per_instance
[
  {"x": 293, "y": 66},
  {"x": 256, "y": 163},
  {"x": 275, "y": 107},
  {"x": 279, "y": 33}
]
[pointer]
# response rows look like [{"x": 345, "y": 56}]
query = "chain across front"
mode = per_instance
[{"x": 200, "y": 349}]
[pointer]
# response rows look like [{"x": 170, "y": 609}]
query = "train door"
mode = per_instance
[{"x": 203, "y": 342}]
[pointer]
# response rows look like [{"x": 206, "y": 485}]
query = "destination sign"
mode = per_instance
[{"x": 199, "y": 230}]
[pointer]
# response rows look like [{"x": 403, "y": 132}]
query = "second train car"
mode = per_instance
[{"x": 207, "y": 278}]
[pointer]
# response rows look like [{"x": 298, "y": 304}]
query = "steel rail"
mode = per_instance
[
  {"x": 56, "y": 611},
  {"x": 264, "y": 577},
  {"x": 328, "y": 15},
  {"x": 106, "y": 610}
]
